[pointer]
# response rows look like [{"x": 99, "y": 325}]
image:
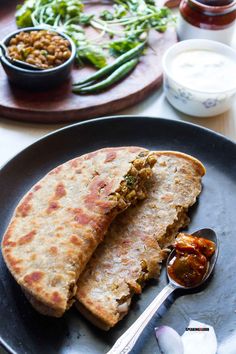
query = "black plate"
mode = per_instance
[{"x": 23, "y": 330}]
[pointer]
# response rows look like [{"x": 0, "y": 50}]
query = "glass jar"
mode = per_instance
[{"x": 212, "y": 19}]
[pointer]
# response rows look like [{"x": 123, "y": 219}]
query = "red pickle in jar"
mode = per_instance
[{"x": 207, "y": 20}]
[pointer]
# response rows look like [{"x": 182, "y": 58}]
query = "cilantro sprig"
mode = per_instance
[{"x": 124, "y": 27}]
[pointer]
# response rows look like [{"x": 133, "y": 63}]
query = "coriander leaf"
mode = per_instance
[
  {"x": 106, "y": 15},
  {"x": 120, "y": 11},
  {"x": 85, "y": 19},
  {"x": 74, "y": 28},
  {"x": 66, "y": 8},
  {"x": 24, "y": 12},
  {"x": 92, "y": 54},
  {"x": 130, "y": 180},
  {"x": 60, "y": 8},
  {"x": 122, "y": 46}
]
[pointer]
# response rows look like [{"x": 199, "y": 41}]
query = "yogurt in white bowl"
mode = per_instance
[{"x": 200, "y": 77}]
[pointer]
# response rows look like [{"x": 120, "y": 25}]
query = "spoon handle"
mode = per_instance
[{"x": 126, "y": 342}]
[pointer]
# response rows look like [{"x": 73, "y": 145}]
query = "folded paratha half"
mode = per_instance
[
  {"x": 136, "y": 241},
  {"x": 62, "y": 219}
]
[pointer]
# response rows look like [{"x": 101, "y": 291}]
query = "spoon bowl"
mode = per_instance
[
  {"x": 127, "y": 341},
  {"x": 210, "y": 235},
  {"x": 18, "y": 63}
]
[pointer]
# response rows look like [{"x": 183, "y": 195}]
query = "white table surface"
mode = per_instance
[{"x": 15, "y": 136}]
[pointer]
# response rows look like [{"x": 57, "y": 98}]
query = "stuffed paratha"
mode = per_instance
[
  {"x": 136, "y": 241},
  {"x": 61, "y": 220}
]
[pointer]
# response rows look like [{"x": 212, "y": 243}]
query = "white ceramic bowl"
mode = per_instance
[{"x": 187, "y": 99}]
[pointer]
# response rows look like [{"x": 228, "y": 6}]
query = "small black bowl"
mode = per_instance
[{"x": 38, "y": 79}]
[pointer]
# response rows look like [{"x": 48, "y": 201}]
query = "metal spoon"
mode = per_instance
[
  {"x": 126, "y": 342},
  {"x": 19, "y": 63}
]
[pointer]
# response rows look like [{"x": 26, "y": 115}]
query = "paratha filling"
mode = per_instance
[
  {"x": 132, "y": 187},
  {"x": 71, "y": 294}
]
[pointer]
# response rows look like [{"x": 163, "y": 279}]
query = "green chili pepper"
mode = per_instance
[
  {"x": 109, "y": 68},
  {"x": 117, "y": 75}
]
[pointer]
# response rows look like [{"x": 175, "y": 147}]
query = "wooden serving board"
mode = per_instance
[{"x": 60, "y": 104}]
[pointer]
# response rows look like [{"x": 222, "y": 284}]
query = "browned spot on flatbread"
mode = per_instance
[
  {"x": 90, "y": 155},
  {"x": 25, "y": 207},
  {"x": 167, "y": 198},
  {"x": 53, "y": 250},
  {"x": 105, "y": 206},
  {"x": 60, "y": 190},
  {"x": 6, "y": 240},
  {"x": 37, "y": 187},
  {"x": 75, "y": 240},
  {"x": 13, "y": 262},
  {"x": 91, "y": 200},
  {"x": 95, "y": 187},
  {"x": 34, "y": 277},
  {"x": 81, "y": 217},
  {"x": 55, "y": 171},
  {"x": 101, "y": 225},
  {"x": 7, "y": 237},
  {"x": 59, "y": 228},
  {"x": 33, "y": 257},
  {"x": 58, "y": 234},
  {"x": 27, "y": 238},
  {"x": 74, "y": 163},
  {"x": 52, "y": 207},
  {"x": 9, "y": 243},
  {"x": 99, "y": 190},
  {"x": 17, "y": 270},
  {"x": 97, "y": 223},
  {"x": 56, "y": 297},
  {"x": 111, "y": 155},
  {"x": 97, "y": 184},
  {"x": 38, "y": 288},
  {"x": 108, "y": 188}
]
